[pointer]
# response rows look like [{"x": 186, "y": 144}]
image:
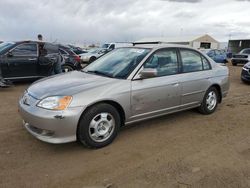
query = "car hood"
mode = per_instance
[{"x": 67, "y": 84}]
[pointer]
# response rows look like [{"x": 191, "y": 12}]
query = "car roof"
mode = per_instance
[{"x": 160, "y": 46}]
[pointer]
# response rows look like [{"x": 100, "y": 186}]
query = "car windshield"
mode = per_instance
[
  {"x": 105, "y": 45},
  {"x": 118, "y": 63},
  {"x": 245, "y": 51},
  {"x": 5, "y": 45}
]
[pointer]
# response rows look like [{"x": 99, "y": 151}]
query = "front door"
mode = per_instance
[
  {"x": 22, "y": 61},
  {"x": 160, "y": 94}
]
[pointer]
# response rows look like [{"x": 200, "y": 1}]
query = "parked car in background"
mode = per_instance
[
  {"x": 219, "y": 56},
  {"x": 242, "y": 57},
  {"x": 77, "y": 50},
  {"x": 93, "y": 54},
  {"x": 112, "y": 46},
  {"x": 245, "y": 73},
  {"x": 22, "y": 60},
  {"x": 124, "y": 86},
  {"x": 72, "y": 60}
]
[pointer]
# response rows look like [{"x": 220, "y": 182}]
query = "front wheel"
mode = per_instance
[
  {"x": 98, "y": 126},
  {"x": 210, "y": 101}
]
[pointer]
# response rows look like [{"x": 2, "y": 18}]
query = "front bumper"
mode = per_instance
[{"x": 50, "y": 126}]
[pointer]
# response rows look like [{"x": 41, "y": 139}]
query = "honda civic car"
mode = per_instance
[
  {"x": 22, "y": 60},
  {"x": 124, "y": 86}
]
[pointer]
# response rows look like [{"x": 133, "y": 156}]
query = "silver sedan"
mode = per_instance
[{"x": 124, "y": 86}]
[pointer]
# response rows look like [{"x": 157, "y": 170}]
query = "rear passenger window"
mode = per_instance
[
  {"x": 206, "y": 65},
  {"x": 191, "y": 61},
  {"x": 165, "y": 61}
]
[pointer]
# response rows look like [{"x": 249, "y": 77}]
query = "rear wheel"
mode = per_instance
[
  {"x": 210, "y": 101},
  {"x": 98, "y": 126},
  {"x": 67, "y": 68},
  {"x": 92, "y": 59}
]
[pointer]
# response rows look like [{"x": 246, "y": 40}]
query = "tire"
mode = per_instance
[
  {"x": 92, "y": 59},
  {"x": 98, "y": 126},
  {"x": 234, "y": 64},
  {"x": 208, "y": 106},
  {"x": 67, "y": 68}
]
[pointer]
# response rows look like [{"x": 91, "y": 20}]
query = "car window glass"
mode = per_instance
[
  {"x": 210, "y": 53},
  {"x": 112, "y": 46},
  {"x": 217, "y": 52},
  {"x": 25, "y": 50},
  {"x": 62, "y": 52},
  {"x": 206, "y": 65},
  {"x": 165, "y": 61},
  {"x": 191, "y": 61}
]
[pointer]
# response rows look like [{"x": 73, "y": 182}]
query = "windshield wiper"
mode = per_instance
[{"x": 100, "y": 73}]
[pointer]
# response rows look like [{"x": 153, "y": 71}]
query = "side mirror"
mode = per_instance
[{"x": 148, "y": 73}]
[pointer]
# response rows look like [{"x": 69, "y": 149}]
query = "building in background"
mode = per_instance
[
  {"x": 204, "y": 41},
  {"x": 236, "y": 45}
]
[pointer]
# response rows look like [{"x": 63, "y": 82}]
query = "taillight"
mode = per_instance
[{"x": 77, "y": 58}]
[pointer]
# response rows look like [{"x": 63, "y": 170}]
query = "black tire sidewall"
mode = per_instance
[
  {"x": 203, "y": 108},
  {"x": 92, "y": 59},
  {"x": 67, "y": 66},
  {"x": 83, "y": 128}
]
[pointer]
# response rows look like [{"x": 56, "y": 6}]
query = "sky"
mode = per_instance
[{"x": 98, "y": 21}]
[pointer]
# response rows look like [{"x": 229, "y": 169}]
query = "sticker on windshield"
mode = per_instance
[{"x": 139, "y": 51}]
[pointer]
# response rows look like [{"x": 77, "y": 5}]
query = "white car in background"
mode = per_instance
[{"x": 93, "y": 54}]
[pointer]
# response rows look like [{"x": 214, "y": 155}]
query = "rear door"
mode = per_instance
[
  {"x": 195, "y": 75},
  {"x": 22, "y": 60},
  {"x": 160, "y": 94}
]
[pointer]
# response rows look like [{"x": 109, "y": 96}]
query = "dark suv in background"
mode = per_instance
[{"x": 21, "y": 60}]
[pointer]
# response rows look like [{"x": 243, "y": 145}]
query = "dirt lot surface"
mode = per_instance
[{"x": 186, "y": 149}]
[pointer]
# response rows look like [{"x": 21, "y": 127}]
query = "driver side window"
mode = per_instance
[
  {"x": 25, "y": 50},
  {"x": 165, "y": 61}
]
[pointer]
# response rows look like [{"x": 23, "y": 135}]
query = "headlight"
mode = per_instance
[
  {"x": 246, "y": 67},
  {"x": 55, "y": 102}
]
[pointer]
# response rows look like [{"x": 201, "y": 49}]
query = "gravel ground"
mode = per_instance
[{"x": 183, "y": 150}]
